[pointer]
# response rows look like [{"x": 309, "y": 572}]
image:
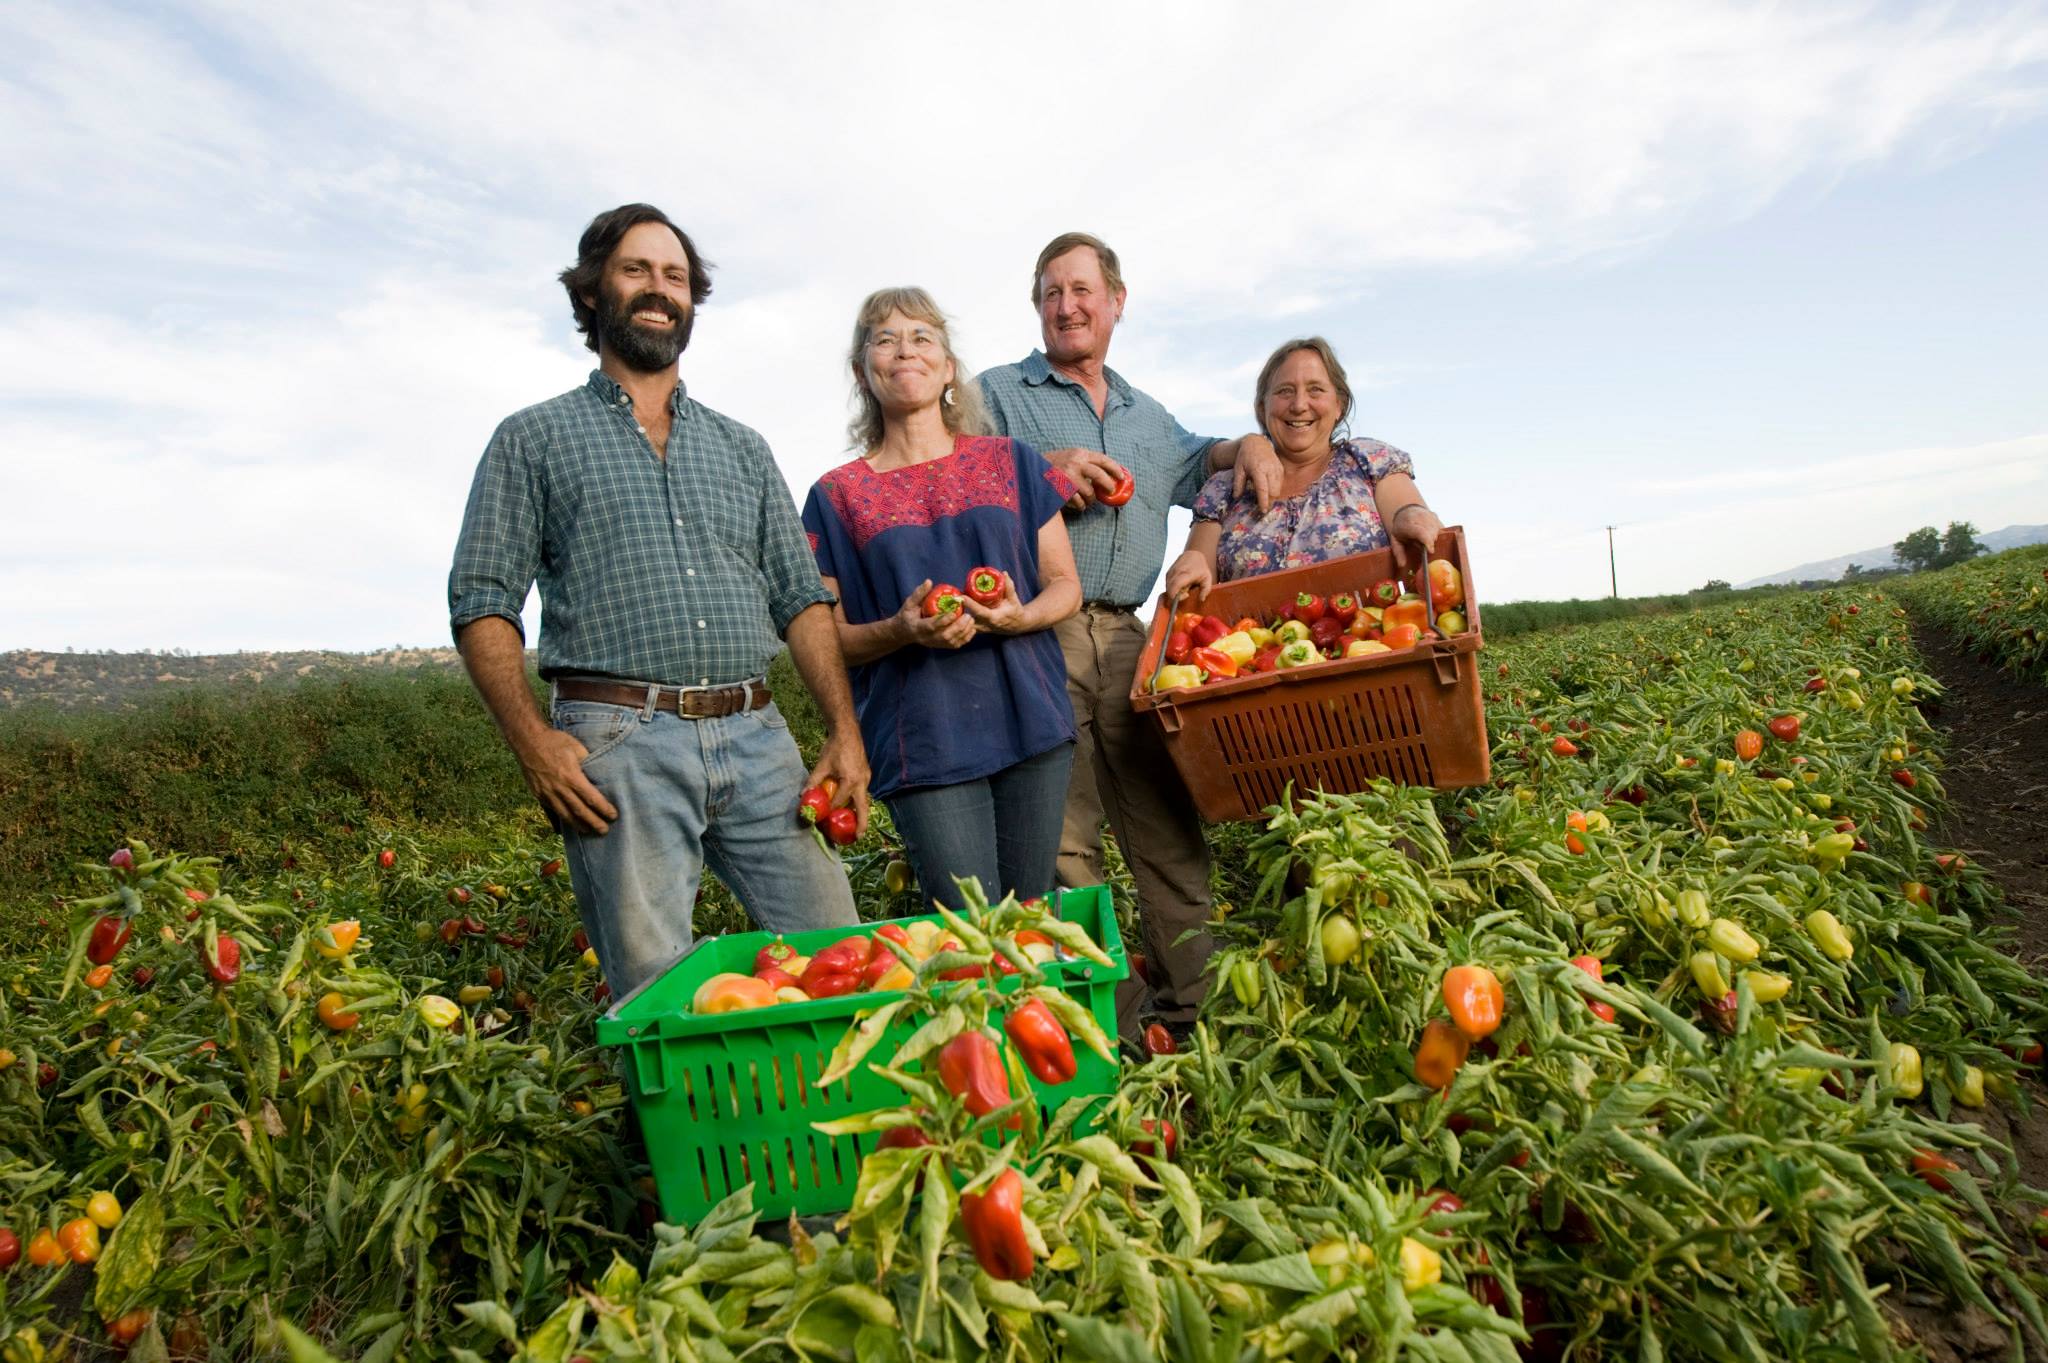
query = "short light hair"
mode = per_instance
[
  {"x": 963, "y": 415},
  {"x": 1338, "y": 379},
  {"x": 1112, "y": 271}
]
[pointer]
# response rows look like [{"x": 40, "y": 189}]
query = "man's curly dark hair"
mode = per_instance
[{"x": 600, "y": 239}]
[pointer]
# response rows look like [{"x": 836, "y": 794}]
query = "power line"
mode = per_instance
[{"x": 1613, "y": 582}]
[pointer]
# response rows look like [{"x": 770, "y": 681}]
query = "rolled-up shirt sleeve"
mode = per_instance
[
  {"x": 786, "y": 560},
  {"x": 497, "y": 555}
]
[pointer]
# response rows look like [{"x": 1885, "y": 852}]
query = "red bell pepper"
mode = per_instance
[
  {"x": 1159, "y": 1041},
  {"x": 1121, "y": 492},
  {"x": 1207, "y": 631},
  {"x": 1214, "y": 661},
  {"x": 814, "y": 804},
  {"x": 972, "y": 1070},
  {"x": 777, "y": 953},
  {"x": 1308, "y": 608},
  {"x": 943, "y": 599},
  {"x": 1177, "y": 646},
  {"x": 994, "y": 1221},
  {"x": 987, "y": 586},
  {"x": 1344, "y": 608},
  {"x": 1325, "y": 633},
  {"x": 837, "y": 969},
  {"x": 775, "y": 977},
  {"x": 225, "y": 965},
  {"x": 110, "y": 932},
  {"x": 841, "y": 825},
  {"x": 1266, "y": 659},
  {"x": 1044, "y": 1046},
  {"x": 1600, "y": 1007},
  {"x": 906, "y": 1137},
  {"x": 1386, "y": 593},
  {"x": 1162, "y": 1128}
]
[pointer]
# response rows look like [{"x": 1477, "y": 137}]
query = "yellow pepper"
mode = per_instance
[
  {"x": 1263, "y": 637},
  {"x": 1706, "y": 973},
  {"x": 437, "y": 1012},
  {"x": 1971, "y": 1093},
  {"x": 472, "y": 994},
  {"x": 1905, "y": 1067},
  {"x": 1728, "y": 937},
  {"x": 1692, "y": 908},
  {"x": 1291, "y": 630},
  {"x": 1766, "y": 987},
  {"x": 1420, "y": 1265},
  {"x": 1176, "y": 675},
  {"x": 1237, "y": 646},
  {"x": 1829, "y": 935}
]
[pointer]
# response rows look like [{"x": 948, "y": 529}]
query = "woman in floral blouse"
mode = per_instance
[{"x": 1341, "y": 495}]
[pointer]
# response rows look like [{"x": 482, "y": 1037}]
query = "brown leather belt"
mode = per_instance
[{"x": 691, "y": 702}]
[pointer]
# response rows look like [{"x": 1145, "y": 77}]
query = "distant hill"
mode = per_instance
[
  {"x": 72, "y": 681},
  {"x": 1829, "y": 569}
]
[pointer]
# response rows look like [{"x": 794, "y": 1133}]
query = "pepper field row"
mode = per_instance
[
  {"x": 1687, "y": 1180},
  {"x": 1997, "y": 607}
]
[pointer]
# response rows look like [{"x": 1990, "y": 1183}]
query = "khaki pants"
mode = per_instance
[{"x": 1121, "y": 768}]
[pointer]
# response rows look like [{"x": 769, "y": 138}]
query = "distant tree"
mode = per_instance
[
  {"x": 1715, "y": 584},
  {"x": 1959, "y": 544},
  {"x": 1919, "y": 550},
  {"x": 1852, "y": 572}
]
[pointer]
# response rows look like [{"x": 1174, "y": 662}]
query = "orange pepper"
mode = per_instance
[
  {"x": 1440, "y": 1054},
  {"x": 1476, "y": 1000}
]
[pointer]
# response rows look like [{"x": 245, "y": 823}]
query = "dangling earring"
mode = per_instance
[{"x": 947, "y": 397}]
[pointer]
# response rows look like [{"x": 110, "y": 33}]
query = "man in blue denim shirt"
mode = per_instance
[
  {"x": 1092, "y": 425},
  {"x": 670, "y": 559}
]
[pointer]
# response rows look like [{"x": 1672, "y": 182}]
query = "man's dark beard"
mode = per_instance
[{"x": 637, "y": 347}]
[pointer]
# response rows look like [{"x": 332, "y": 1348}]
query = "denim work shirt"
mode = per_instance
[
  {"x": 684, "y": 571},
  {"x": 1118, "y": 550}
]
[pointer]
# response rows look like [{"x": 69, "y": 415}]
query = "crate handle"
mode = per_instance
[
  {"x": 1172, "y": 607},
  {"x": 1169, "y": 717},
  {"x": 1448, "y": 666},
  {"x": 658, "y": 1081}
]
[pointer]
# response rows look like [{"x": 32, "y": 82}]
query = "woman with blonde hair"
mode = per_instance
[{"x": 945, "y": 547}]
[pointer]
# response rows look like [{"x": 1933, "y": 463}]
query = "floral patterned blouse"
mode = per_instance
[{"x": 1335, "y": 517}]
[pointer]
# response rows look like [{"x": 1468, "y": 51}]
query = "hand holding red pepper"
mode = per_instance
[
  {"x": 987, "y": 586},
  {"x": 914, "y": 626}
]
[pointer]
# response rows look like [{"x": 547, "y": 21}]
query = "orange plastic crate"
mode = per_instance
[{"x": 1415, "y": 716}]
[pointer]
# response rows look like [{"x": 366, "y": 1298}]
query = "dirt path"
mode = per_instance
[
  {"x": 1995, "y": 736},
  {"x": 1995, "y": 743}
]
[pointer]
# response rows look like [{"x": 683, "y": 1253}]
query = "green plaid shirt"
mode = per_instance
[
  {"x": 1118, "y": 550},
  {"x": 683, "y": 571}
]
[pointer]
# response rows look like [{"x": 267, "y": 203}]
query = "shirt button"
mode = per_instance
[
  {"x": 700, "y": 624},
  {"x": 691, "y": 571},
  {"x": 638, "y": 427},
  {"x": 703, "y": 681}
]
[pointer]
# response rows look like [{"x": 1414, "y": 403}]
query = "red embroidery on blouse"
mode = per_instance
[
  {"x": 812, "y": 536},
  {"x": 1060, "y": 483},
  {"x": 981, "y": 471}
]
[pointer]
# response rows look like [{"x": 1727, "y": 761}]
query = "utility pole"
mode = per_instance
[{"x": 1613, "y": 584}]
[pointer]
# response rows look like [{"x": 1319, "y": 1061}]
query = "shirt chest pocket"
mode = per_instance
[{"x": 732, "y": 519}]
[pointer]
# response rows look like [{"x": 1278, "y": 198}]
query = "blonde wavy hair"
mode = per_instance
[{"x": 962, "y": 408}]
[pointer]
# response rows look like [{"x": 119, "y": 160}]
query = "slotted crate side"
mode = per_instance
[
  {"x": 728, "y": 1100},
  {"x": 1415, "y": 716}
]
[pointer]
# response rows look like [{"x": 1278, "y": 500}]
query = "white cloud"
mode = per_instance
[{"x": 320, "y": 238}]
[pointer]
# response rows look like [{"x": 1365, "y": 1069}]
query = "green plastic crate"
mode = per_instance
[{"x": 728, "y": 1099}]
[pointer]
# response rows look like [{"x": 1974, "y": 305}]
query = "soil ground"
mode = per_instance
[{"x": 1995, "y": 745}]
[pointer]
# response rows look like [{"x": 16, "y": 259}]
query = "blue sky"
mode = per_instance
[{"x": 1757, "y": 284}]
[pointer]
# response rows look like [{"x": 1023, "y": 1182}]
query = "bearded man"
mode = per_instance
[{"x": 672, "y": 567}]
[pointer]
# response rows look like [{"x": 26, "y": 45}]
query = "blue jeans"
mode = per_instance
[
  {"x": 691, "y": 791},
  {"x": 1003, "y": 829}
]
